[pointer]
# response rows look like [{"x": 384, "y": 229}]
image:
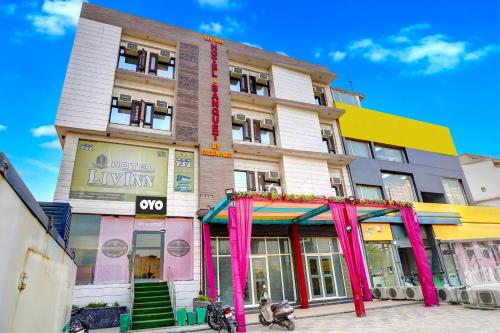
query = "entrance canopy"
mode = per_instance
[{"x": 300, "y": 210}]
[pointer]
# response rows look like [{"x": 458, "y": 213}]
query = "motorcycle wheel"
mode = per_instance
[
  {"x": 290, "y": 325},
  {"x": 230, "y": 328},
  {"x": 212, "y": 321},
  {"x": 263, "y": 321}
]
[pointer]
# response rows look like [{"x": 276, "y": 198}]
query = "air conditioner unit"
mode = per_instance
[
  {"x": 272, "y": 176},
  {"x": 131, "y": 48},
  {"x": 262, "y": 78},
  {"x": 449, "y": 295},
  {"x": 396, "y": 293},
  {"x": 239, "y": 119},
  {"x": 165, "y": 56},
  {"x": 488, "y": 298},
  {"x": 414, "y": 293},
  {"x": 326, "y": 133},
  {"x": 335, "y": 181},
  {"x": 274, "y": 189},
  {"x": 235, "y": 72},
  {"x": 380, "y": 293},
  {"x": 161, "y": 106},
  {"x": 125, "y": 100},
  {"x": 267, "y": 123},
  {"x": 467, "y": 296},
  {"x": 318, "y": 90}
]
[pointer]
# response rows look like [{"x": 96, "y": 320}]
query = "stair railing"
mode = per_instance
[
  {"x": 132, "y": 286},
  {"x": 171, "y": 289}
]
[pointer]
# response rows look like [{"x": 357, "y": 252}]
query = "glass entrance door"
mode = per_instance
[
  {"x": 315, "y": 277},
  {"x": 328, "y": 279},
  {"x": 259, "y": 274},
  {"x": 148, "y": 255}
]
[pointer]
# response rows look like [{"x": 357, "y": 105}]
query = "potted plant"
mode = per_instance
[
  {"x": 100, "y": 315},
  {"x": 200, "y": 301}
]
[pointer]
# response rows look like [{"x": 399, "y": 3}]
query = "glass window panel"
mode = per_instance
[
  {"x": 165, "y": 70},
  {"x": 276, "y": 287},
  {"x": 358, "y": 148},
  {"x": 127, "y": 62},
  {"x": 162, "y": 121},
  {"x": 323, "y": 245},
  {"x": 262, "y": 90},
  {"x": 147, "y": 240},
  {"x": 266, "y": 137},
  {"x": 258, "y": 246},
  {"x": 337, "y": 266},
  {"x": 399, "y": 187},
  {"x": 120, "y": 116},
  {"x": 454, "y": 191},
  {"x": 235, "y": 84},
  {"x": 380, "y": 265},
  {"x": 213, "y": 245},
  {"x": 325, "y": 148},
  {"x": 237, "y": 132},
  {"x": 349, "y": 99},
  {"x": 224, "y": 246},
  {"x": 287, "y": 277},
  {"x": 272, "y": 245},
  {"x": 310, "y": 245},
  {"x": 284, "y": 247},
  {"x": 240, "y": 181},
  {"x": 449, "y": 264},
  {"x": 225, "y": 280},
  {"x": 84, "y": 240},
  {"x": 389, "y": 154},
  {"x": 336, "y": 96},
  {"x": 335, "y": 245},
  {"x": 147, "y": 263},
  {"x": 147, "y": 114},
  {"x": 369, "y": 192},
  {"x": 259, "y": 276}
]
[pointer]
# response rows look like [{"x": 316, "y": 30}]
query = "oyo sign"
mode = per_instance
[{"x": 150, "y": 205}]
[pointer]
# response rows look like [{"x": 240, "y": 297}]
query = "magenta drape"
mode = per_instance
[
  {"x": 339, "y": 218},
  {"x": 412, "y": 226},
  {"x": 240, "y": 231},
  {"x": 352, "y": 216},
  {"x": 209, "y": 264}
]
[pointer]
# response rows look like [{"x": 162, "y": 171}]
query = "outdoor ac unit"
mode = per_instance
[
  {"x": 396, "y": 293},
  {"x": 262, "y": 78},
  {"x": 125, "y": 100},
  {"x": 235, "y": 72},
  {"x": 131, "y": 48},
  {"x": 239, "y": 119},
  {"x": 326, "y": 133},
  {"x": 273, "y": 189},
  {"x": 267, "y": 123},
  {"x": 467, "y": 296},
  {"x": 380, "y": 293},
  {"x": 161, "y": 106},
  {"x": 449, "y": 295},
  {"x": 489, "y": 298},
  {"x": 335, "y": 181},
  {"x": 272, "y": 176},
  {"x": 165, "y": 56},
  {"x": 414, "y": 293},
  {"x": 318, "y": 90}
]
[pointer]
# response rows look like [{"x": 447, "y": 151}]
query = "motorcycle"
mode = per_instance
[
  {"x": 277, "y": 313},
  {"x": 220, "y": 317}
]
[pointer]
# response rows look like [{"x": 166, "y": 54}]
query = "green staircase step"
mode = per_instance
[
  {"x": 144, "y": 299},
  {"x": 150, "y": 284},
  {"x": 155, "y": 304},
  {"x": 151, "y": 316},
  {"x": 152, "y": 310},
  {"x": 144, "y": 324},
  {"x": 158, "y": 292}
]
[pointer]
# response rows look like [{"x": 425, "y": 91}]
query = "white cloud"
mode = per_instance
[
  {"x": 230, "y": 26},
  {"x": 422, "y": 53},
  {"x": 252, "y": 45},
  {"x": 9, "y": 9},
  {"x": 56, "y": 16},
  {"x": 282, "y": 53},
  {"x": 317, "y": 54},
  {"x": 3, "y": 128},
  {"x": 219, "y": 4},
  {"x": 54, "y": 144},
  {"x": 45, "y": 130},
  {"x": 337, "y": 55},
  {"x": 42, "y": 166}
]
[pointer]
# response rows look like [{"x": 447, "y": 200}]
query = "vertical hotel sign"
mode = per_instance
[{"x": 215, "y": 102}]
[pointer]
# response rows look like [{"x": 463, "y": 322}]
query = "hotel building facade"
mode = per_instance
[{"x": 156, "y": 122}]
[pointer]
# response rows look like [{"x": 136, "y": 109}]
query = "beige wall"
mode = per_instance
[
  {"x": 292, "y": 85},
  {"x": 86, "y": 94},
  {"x": 485, "y": 175},
  {"x": 298, "y": 129},
  {"x": 25, "y": 247},
  {"x": 305, "y": 176}
]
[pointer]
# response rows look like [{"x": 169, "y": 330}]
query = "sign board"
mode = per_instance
[
  {"x": 118, "y": 172},
  {"x": 184, "y": 171},
  {"x": 150, "y": 205}
]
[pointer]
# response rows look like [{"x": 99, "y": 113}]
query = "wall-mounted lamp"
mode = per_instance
[
  {"x": 348, "y": 228},
  {"x": 230, "y": 194},
  {"x": 352, "y": 199}
]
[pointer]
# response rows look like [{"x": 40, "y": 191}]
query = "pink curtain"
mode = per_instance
[
  {"x": 339, "y": 218},
  {"x": 352, "y": 216},
  {"x": 240, "y": 231},
  {"x": 412, "y": 226},
  {"x": 209, "y": 264}
]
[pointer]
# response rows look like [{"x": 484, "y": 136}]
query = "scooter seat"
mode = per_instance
[{"x": 275, "y": 306}]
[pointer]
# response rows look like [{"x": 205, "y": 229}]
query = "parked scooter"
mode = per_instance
[
  {"x": 277, "y": 313},
  {"x": 220, "y": 317}
]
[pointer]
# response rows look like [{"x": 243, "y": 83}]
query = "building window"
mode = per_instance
[
  {"x": 252, "y": 181},
  {"x": 84, "y": 241},
  {"x": 267, "y": 137},
  {"x": 454, "y": 191},
  {"x": 369, "y": 192},
  {"x": 249, "y": 84},
  {"x": 132, "y": 60},
  {"x": 141, "y": 114},
  {"x": 328, "y": 145},
  {"x": 237, "y": 132},
  {"x": 240, "y": 181},
  {"x": 320, "y": 100},
  {"x": 358, "y": 148},
  {"x": 166, "y": 69},
  {"x": 235, "y": 84},
  {"x": 392, "y": 154},
  {"x": 341, "y": 97},
  {"x": 243, "y": 132},
  {"x": 399, "y": 187}
]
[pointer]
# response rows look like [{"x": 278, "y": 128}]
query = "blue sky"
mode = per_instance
[{"x": 436, "y": 61}]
